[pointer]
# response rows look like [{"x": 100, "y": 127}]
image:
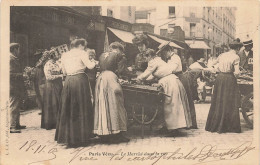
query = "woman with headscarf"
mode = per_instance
[
  {"x": 52, "y": 92},
  {"x": 110, "y": 117},
  {"x": 224, "y": 110},
  {"x": 75, "y": 122},
  {"x": 174, "y": 61},
  {"x": 176, "y": 107}
]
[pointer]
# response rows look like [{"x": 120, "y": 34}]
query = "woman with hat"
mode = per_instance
[
  {"x": 174, "y": 61},
  {"x": 75, "y": 120},
  {"x": 176, "y": 107},
  {"x": 110, "y": 117},
  {"x": 224, "y": 110},
  {"x": 141, "y": 60},
  {"x": 52, "y": 91}
]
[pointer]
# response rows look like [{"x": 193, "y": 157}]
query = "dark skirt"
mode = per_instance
[
  {"x": 224, "y": 110},
  {"x": 186, "y": 81},
  {"x": 51, "y": 103},
  {"x": 75, "y": 121},
  {"x": 92, "y": 83}
]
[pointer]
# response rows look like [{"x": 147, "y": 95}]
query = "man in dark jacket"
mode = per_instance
[
  {"x": 17, "y": 88},
  {"x": 246, "y": 56}
]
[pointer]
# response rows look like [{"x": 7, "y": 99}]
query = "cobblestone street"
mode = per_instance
[{"x": 189, "y": 139}]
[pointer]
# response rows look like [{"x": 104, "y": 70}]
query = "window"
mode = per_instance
[
  {"x": 129, "y": 11},
  {"x": 204, "y": 13},
  {"x": 171, "y": 25},
  {"x": 192, "y": 29},
  {"x": 163, "y": 32},
  {"x": 192, "y": 15},
  {"x": 70, "y": 20},
  {"x": 109, "y": 13},
  {"x": 55, "y": 17},
  {"x": 171, "y": 11},
  {"x": 208, "y": 15}
]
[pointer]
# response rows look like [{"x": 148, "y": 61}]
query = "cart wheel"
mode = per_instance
[
  {"x": 148, "y": 117},
  {"x": 247, "y": 109}
]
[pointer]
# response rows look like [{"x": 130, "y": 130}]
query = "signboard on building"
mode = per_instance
[
  {"x": 192, "y": 19},
  {"x": 144, "y": 27},
  {"x": 97, "y": 26},
  {"x": 118, "y": 25}
]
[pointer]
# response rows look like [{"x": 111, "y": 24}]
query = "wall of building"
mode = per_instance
[
  {"x": 45, "y": 27},
  {"x": 124, "y": 13},
  {"x": 127, "y": 13},
  {"x": 216, "y": 25}
]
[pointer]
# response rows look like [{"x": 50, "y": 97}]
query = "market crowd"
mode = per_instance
[{"x": 81, "y": 104}]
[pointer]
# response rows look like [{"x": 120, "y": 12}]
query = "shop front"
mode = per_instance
[{"x": 198, "y": 49}]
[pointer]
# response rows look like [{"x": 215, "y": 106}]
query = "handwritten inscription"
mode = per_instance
[
  {"x": 36, "y": 148},
  {"x": 80, "y": 154},
  {"x": 207, "y": 153}
]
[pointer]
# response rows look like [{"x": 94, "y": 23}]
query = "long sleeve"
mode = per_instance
[
  {"x": 122, "y": 66},
  {"x": 242, "y": 58},
  {"x": 174, "y": 64},
  {"x": 14, "y": 74},
  {"x": 236, "y": 66},
  {"x": 17, "y": 86},
  {"x": 152, "y": 66},
  {"x": 63, "y": 69},
  {"x": 85, "y": 59},
  {"x": 51, "y": 71}
]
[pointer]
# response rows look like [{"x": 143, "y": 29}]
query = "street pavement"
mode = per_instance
[{"x": 188, "y": 139}]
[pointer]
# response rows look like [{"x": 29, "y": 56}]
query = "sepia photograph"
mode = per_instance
[{"x": 149, "y": 82}]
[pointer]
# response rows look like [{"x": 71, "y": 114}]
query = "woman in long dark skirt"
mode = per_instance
[
  {"x": 51, "y": 93},
  {"x": 174, "y": 60},
  {"x": 224, "y": 110},
  {"x": 39, "y": 85},
  {"x": 75, "y": 122}
]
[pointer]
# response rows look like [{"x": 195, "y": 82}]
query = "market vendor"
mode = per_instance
[
  {"x": 172, "y": 58},
  {"x": 110, "y": 117},
  {"x": 176, "y": 106},
  {"x": 141, "y": 60},
  {"x": 246, "y": 56}
]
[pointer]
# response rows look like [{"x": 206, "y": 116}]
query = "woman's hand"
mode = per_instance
[
  {"x": 96, "y": 62},
  {"x": 156, "y": 85},
  {"x": 138, "y": 80},
  {"x": 130, "y": 69}
]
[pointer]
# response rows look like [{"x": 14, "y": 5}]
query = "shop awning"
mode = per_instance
[
  {"x": 197, "y": 44},
  {"x": 123, "y": 35},
  {"x": 163, "y": 41}
]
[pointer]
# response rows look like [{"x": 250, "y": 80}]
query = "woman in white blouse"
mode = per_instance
[
  {"x": 224, "y": 110},
  {"x": 176, "y": 107},
  {"x": 52, "y": 92},
  {"x": 174, "y": 61},
  {"x": 75, "y": 122}
]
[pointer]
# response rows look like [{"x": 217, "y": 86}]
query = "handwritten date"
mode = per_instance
[{"x": 35, "y": 148}]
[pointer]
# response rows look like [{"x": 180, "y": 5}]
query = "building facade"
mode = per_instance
[
  {"x": 45, "y": 27},
  {"x": 213, "y": 25},
  {"x": 124, "y": 13}
]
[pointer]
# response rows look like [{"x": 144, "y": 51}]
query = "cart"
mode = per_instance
[
  {"x": 245, "y": 84},
  {"x": 143, "y": 103}
]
